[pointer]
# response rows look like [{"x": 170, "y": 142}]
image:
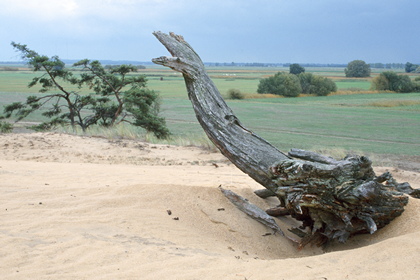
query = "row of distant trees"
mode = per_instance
[
  {"x": 378, "y": 65},
  {"x": 387, "y": 80},
  {"x": 412, "y": 68},
  {"x": 297, "y": 81},
  {"x": 359, "y": 68}
]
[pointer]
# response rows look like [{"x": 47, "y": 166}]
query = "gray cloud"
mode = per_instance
[{"x": 323, "y": 31}]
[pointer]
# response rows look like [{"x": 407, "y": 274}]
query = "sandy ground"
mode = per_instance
[{"x": 90, "y": 208}]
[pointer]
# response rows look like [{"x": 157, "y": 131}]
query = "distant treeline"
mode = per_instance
[
  {"x": 258, "y": 64},
  {"x": 231, "y": 64},
  {"x": 338, "y": 65},
  {"x": 72, "y": 61}
]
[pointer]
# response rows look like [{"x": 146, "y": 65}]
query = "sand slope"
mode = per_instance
[{"x": 91, "y": 208}]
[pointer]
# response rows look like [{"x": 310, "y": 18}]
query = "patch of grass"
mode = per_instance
[
  {"x": 116, "y": 132},
  {"x": 353, "y": 84},
  {"x": 351, "y": 91},
  {"x": 261, "y": 95},
  {"x": 193, "y": 140},
  {"x": 5, "y": 127},
  {"x": 125, "y": 131},
  {"x": 393, "y": 103},
  {"x": 333, "y": 121}
]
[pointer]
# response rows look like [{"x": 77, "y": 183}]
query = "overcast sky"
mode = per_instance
[{"x": 296, "y": 31}]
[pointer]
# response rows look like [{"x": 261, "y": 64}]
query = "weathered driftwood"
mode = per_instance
[
  {"x": 252, "y": 210},
  {"x": 333, "y": 199}
]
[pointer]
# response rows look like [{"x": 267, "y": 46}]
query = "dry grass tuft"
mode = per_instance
[
  {"x": 355, "y": 91},
  {"x": 193, "y": 140},
  {"x": 393, "y": 103},
  {"x": 261, "y": 95},
  {"x": 125, "y": 131}
]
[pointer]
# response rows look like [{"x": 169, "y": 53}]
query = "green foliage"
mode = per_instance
[
  {"x": 322, "y": 86},
  {"x": 291, "y": 85},
  {"x": 416, "y": 84},
  {"x": 281, "y": 84},
  {"x": 5, "y": 127},
  {"x": 357, "y": 68},
  {"x": 143, "y": 105},
  {"x": 305, "y": 80},
  {"x": 380, "y": 83},
  {"x": 54, "y": 76},
  {"x": 410, "y": 67},
  {"x": 107, "y": 106},
  {"x": 235, "y": 94},
  {"x": 389, "y": 80},
  {"x": 296, "y": 69},
  {"x": 312, "y": 84}
]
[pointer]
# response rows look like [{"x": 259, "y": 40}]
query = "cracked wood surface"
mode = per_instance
[{"x": 249, "y": 152}]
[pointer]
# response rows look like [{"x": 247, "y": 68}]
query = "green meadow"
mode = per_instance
[{"x": 352, "y": 120}]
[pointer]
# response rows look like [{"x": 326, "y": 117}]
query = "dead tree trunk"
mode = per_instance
[{"x": 333, "y": 199}]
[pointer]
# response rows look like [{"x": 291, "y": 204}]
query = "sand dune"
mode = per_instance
[{"x": 90, "y": 208}]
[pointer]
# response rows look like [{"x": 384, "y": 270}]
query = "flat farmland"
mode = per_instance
[{"x": 382, "y": 125}]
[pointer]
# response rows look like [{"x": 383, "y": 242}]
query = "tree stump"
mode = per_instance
[{"x": 334, "y": 199}]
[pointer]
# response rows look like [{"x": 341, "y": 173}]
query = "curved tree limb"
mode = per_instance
[
  {"x": 334, "y": 199},
  {"x": 249, "y": 152}
]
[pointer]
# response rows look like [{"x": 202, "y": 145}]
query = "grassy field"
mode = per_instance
[{"x": 373, "y": 124}]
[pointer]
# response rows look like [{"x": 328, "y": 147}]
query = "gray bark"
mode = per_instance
[
  {"x": 249, "y": 152},
  {"x": 334, "y": 199}
]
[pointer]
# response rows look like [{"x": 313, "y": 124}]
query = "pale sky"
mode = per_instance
[{"x": 269, "y": 31}]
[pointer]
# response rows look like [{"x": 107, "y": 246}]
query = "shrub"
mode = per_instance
[
  {"x": 389, "y": 80},
  {"x": 410, "y": 67},
  {"x": 323, "y": 86},
  {"x": 284, "y": 84},
  {"x": 235, "y": 94},
  {"x": 290, "y": 85},
  {"x": 357, "y": 68},
  {"x": 312, "y": 84},
  {"x": 305, "y": 80},
  {"x": 380, "y": 83},
  {"x": 296, "y": 69},
  {"x": 5, "y": 127}
]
